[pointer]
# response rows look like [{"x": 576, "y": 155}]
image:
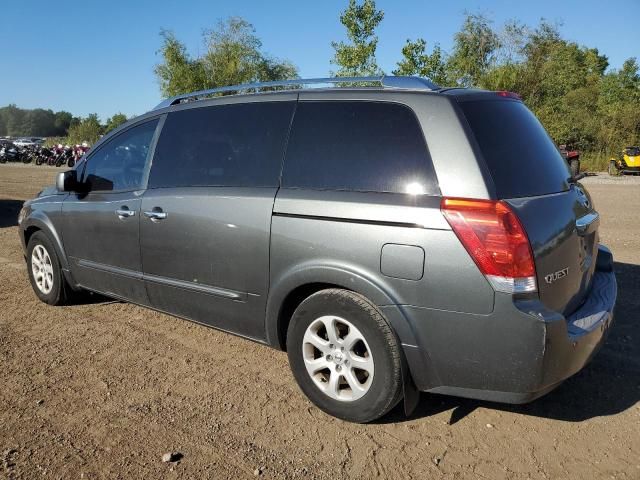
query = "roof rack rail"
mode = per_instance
[{"x": 400, "y": 82}]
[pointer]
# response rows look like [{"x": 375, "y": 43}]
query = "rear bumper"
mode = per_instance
[{"x": 519, "y": 352}]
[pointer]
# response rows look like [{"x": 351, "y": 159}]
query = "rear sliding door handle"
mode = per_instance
[{"x": 155, "y": 215}]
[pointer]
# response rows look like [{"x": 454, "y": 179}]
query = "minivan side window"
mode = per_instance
[
  {"x": 235, "y": 145},
  {"x": 119, "y": 164},
  {"x": 358, "y": 146}
]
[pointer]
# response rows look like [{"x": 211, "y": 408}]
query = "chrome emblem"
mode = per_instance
[
  {"x": 338, "y": 357},
  {"x": 552, "y": 277}
]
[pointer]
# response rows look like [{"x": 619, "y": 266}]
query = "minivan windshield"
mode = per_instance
[{"x": 520, "y": 156}]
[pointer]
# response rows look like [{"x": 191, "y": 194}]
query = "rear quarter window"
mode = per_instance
[
  {"x": 520, "y": 156},
  {"x": 358, "y": 146}
]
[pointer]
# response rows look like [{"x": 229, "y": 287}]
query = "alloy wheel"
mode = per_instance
[
  {"x": 42, "y": 269},
  {"x": 338, "y": 358}
]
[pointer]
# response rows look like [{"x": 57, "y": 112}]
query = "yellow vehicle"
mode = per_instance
[{"x": 627, "y": 162}]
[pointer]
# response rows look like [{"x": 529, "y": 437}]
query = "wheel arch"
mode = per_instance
[
  {"x": 291, "y": 289},
  {"x": 36, "y": 222},
  {"x": 28, "y": 233}
]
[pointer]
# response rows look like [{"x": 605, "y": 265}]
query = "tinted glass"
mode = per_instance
[
  {"x": 358, "y": 146},
  {"x": 237, "y": 145},
  {"x": 119, "y": 164},
  {"x": 520, "y": 155},
  {"x": 633, "y": 151}
]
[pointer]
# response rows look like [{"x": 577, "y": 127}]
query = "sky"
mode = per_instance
[{"x": 86, "y": 56}]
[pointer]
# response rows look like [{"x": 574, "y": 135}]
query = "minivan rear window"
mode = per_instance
[
  {"x": 358, "y": 146},
  {"x": 521, "y": 157}
]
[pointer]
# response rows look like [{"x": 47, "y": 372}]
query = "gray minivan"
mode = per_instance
[{"x": 390, "y": 235}]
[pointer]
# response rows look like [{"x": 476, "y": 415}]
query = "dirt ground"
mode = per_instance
[{"x": 104, "y": 390}]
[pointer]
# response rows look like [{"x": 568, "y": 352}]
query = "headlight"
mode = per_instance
[{"x": 22, "y": 214}]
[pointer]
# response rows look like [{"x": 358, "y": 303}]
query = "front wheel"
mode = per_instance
[
  {"x": 45, "y": 273},
  {"x": 345, "y": 356},
  {"x": 612, "y": 170}
]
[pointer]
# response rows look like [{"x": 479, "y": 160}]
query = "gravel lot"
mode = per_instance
[{"x": 104, "y": 390}]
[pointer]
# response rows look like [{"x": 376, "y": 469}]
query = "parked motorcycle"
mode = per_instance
[
  {"x": 58, "y": 155},
  {"x": 10, "y": 153}
]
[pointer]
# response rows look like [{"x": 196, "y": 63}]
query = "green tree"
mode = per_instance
[
  {"x": 61, "y": 123},
  {"x": 17, "y": 122},
  {"x": 233, "y": 52},
  {"x": 416, "y": 61},
  {"x": 358, "y": 57},
  {"x": 566, "y": 85},
  {"x": 178, "y": 73},
  {"x": 618, "y": 108},
  {"x": 559, "y": 81},
  {"x": 233, "y": 56},
  {"x": 505, "y": 70},
  {"x": 474, "y": 50},
  {"x": 114, "y": 122},
  {"x": 14, "y": 120},
  {"x": 87, "y": 130},
  {"x": 39, "y": 122}
]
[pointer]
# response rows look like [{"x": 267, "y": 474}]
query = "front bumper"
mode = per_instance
[
  {"x": 624, "y": 167},
  {"x": 519, "y": 352}
]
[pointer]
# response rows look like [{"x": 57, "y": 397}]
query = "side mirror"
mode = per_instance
[{"x": 66, "y": 181}]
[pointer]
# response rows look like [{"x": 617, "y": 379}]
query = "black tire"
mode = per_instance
[
  {"x": 612, "y": 170},
  {"x": 574, "y": 166},
  {"x": 71, "y": 162},
  {"x": 385, "y": 389},
  {"x": 60, "y": 290}
]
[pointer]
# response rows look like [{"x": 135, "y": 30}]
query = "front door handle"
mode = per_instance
[
  {"x": 124, "y": 212},
  {"x": 155, "y": 214}
]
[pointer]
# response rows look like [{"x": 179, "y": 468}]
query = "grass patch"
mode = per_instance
[{"x": 594, "y": 162}]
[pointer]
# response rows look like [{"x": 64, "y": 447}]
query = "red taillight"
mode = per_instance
[{"x": 495, "y": 239}]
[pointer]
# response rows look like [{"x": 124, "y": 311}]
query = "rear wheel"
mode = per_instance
[
  {"x": 612, "y": 170},
  {"x": 574, "y": 166},
  {"x": 345, "y": 356},
  {"x": 45, "y": 272}
]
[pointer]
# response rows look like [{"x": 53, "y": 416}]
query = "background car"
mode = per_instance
[{"x": 628, "y": 161}]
